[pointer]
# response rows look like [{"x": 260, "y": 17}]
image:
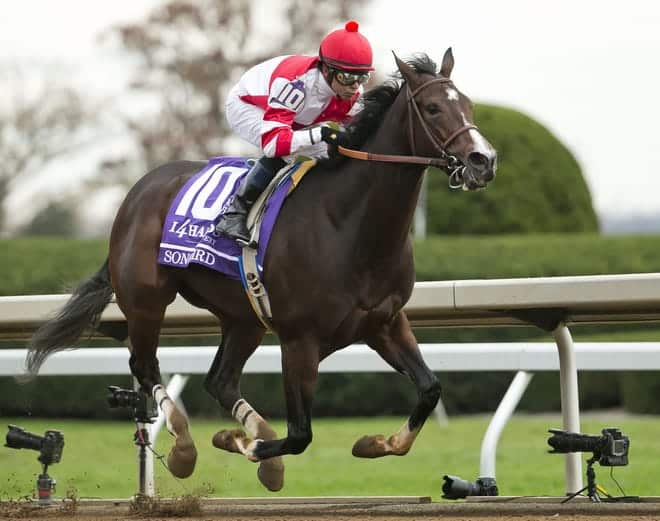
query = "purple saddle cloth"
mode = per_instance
[{"x": 189, "y": 235}]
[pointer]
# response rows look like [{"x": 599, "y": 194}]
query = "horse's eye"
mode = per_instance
[{"x": 432, "y": 108}]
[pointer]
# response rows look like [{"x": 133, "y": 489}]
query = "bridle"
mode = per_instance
[{"x": 447, "y": 162}]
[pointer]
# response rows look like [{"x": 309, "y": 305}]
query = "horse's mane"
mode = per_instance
[{"x": 377, "y": 100}]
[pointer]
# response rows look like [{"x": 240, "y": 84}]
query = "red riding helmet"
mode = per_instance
[{"x": 347, "y": 49}]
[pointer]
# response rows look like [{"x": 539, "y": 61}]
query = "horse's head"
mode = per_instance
[{"x": 440, "y": 123}]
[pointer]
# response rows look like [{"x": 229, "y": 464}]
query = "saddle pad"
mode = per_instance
[{"x": 189, "y": 235}]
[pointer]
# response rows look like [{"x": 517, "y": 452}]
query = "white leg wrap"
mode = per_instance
[
  {"x": 165, "y": 404},
  {"x": 246, "y": 416}
]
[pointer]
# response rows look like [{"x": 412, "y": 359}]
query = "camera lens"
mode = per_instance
[
  {"x": 562, "y": 441},
  {"x": 17, "y": 438},
  {"x": 457, "y": 488}
]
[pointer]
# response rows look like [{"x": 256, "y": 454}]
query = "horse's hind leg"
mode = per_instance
[
  {"x": 143, "y": 331},
  {"x": 239, "y": 341},
  {"x": 396, "y": 344}
]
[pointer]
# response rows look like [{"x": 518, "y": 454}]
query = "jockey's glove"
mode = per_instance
[{"x": 335, "y": 137}]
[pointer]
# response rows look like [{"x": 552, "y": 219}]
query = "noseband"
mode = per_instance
[{"x": 448, "y": 162}]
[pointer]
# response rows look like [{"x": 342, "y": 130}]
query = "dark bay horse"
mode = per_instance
[{"x": 338, "y": 270}]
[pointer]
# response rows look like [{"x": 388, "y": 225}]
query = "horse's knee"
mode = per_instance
[
  {"x": 299, "y": 441},
  {"x": 147, "y": 373}
]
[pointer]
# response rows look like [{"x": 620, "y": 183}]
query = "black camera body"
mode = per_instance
[
  {"x": 457, "y": 488},
  {"x": 50, "y": 445},
  {"x": 610, "y": 449},
  {"x": 144, "y": 409},
  {"x": 118, "y": 398}
]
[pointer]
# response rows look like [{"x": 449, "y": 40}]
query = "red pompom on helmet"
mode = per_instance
[{"x": 347, "y": 49}]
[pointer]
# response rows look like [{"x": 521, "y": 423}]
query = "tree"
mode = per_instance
[
  {"x": 191, "y": 52},
  {"x": 57, "y": 218},
  {"x": 38, "y": 123}
]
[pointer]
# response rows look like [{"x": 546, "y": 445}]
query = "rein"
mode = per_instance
[
  {"x": 386, "y": 158},
  {"x": 452, "y": 165}
]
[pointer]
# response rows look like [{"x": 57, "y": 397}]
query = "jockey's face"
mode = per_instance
[{"x": 343, "y": 89}]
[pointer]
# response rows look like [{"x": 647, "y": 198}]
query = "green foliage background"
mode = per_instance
[{"x": 51, "y": 265}]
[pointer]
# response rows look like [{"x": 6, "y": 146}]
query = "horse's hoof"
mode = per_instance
[
  {"x": 181, "y": 459},
  {"x": 370, "y": 447},
  {"x": 271, "y": 474},
  {"x": 226, "y": 440}
]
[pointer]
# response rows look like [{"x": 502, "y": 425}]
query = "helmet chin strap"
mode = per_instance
[{"x": 329, "y": 75}]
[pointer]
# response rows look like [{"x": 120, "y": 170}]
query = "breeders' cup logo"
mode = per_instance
[{"x": 186, "y": 229}]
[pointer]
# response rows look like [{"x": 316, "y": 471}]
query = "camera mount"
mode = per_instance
[
  {"x": 50, "y": 447},
  {"x": 144, "y": 412},
  {"x": 592, "y": 490},
  {"x": 609, "y": 450}
]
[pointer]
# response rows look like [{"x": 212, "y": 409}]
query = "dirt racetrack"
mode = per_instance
[{"x": 364, "y": 509}]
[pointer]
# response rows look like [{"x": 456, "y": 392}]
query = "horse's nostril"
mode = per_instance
[{"x": 478, "y": 160}]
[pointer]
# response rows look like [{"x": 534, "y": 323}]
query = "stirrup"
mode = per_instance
[
  {"x": 236, "y": 230},
  {"x": 250, "y": 243}
]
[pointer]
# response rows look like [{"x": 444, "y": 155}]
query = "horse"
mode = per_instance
[{"x": 339, "y": 269}]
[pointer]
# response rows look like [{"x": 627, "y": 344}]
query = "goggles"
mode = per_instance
[{"x": 349, "y": 78}]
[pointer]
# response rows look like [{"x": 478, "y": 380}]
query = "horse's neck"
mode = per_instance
[{"x": 391, "y": 190}]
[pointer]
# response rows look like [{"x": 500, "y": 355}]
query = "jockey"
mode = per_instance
[{"x": 280, "y": 106}]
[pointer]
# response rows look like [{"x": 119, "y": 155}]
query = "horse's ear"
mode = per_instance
[
  {"x": 447, "y": 63},
  {"x": 408, "y": 73}
]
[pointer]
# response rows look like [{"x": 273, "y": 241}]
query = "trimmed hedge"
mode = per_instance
[
  {"x": 539, "y": 186},
  {"x": 541, "y": 255},
  {"x": 40, "y": 266},
  {"x": 51, "y": 265},
  {"x": 36, "y": 266}
]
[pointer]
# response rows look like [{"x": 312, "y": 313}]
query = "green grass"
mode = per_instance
[{"x": 99, "y": 460}]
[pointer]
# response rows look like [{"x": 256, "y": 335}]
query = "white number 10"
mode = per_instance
[{"x": 220, "y": 180}]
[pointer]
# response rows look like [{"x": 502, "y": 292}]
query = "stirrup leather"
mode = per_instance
[{"x": 254, "y": 288}]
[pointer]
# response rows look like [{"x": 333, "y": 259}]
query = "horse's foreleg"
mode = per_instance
[
  {"x": 300, "y": 361},
  {"x": 143, "y": 332},
  {"x": 239, "y": 341},
  {"x": 183, "y": 454},
  {"x": 397, "y": 345}
]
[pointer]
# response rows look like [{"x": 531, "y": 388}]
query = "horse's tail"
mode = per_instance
[{"x": 83, "y": 310}]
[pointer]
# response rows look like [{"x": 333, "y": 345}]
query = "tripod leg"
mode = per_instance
[
  {"x": 591, "y": 489},
  {"x": 573, "y": 495},
  {"x": 591, "y": 481}
]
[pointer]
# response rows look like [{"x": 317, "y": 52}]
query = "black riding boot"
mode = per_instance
[{"x": 233, "y": 222}]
